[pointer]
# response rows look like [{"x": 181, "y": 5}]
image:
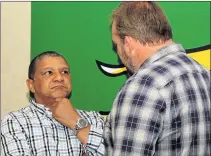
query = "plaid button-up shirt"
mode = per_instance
[
  {"x": 162, "y": 109},
  {"x": 32, "y": 131}
]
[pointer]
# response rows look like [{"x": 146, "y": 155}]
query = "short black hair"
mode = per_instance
[{"x": 32, "y": 66}]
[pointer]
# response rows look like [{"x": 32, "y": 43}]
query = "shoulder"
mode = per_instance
[
  {"x": 166, "y": 70},
  {"x": 16, "y": 116},
  {"x": 145, "y": 82},
  {"x": 92, "y": 116}
]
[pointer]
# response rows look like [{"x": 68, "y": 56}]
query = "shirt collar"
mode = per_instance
[
  {"x": 172, "y": 48},
  {"x": 41, "y": 108}
]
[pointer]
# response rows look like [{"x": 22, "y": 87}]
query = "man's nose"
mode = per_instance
[{"x": 58, "y": 76}]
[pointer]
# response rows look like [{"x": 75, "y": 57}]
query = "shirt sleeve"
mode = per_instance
[
  {"x": 95, "y": 145},
  {"x": 137, "y": 120},
  {"x": 13, "y": 139}
]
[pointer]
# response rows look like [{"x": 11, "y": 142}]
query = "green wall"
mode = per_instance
[{"x": 81, "y": 32}]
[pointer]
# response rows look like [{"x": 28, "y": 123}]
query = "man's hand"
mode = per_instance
[{"x": 63, "y": 111}]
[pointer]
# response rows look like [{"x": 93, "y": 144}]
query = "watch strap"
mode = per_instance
[{"x": 75, "y": 130}]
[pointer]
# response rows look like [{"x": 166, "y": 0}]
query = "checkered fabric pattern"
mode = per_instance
[
  {"x": 32, "y": 131},
  {"x": 163, "y": 109}
]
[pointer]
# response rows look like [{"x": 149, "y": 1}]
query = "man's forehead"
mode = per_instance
[
  {"x": 113, "y": 27},
  {"x": 114, "y": 31},
  {"x": 50, "y": 58},
  {"x": 51, "y": 61}
]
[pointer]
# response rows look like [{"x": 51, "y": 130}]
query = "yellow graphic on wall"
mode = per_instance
[{"x": 200, "y": 54}]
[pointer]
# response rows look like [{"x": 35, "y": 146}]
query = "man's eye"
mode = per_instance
[
  {"x": 65, "y": 72},
  {"x": 47, "y": 73}
]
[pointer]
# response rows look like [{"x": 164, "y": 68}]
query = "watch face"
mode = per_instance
[{"x": 83, "y": 122}]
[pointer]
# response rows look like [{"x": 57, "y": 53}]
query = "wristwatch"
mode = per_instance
[{"x": 81, "y": 123}]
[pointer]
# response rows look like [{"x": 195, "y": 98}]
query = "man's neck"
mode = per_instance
[
  {"x": 146, "y": 51},
  {"x": 47, "y": 103}
]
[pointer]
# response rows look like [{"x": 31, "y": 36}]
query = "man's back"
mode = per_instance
[
  {"x": 185, "y": 88},
  {"x": 166, "y": 107}
]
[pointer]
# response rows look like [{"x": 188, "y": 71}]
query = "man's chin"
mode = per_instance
[{"x": 60, "y": 95}]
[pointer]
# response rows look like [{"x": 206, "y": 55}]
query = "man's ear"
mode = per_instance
[
  {"x": 129, "y": 44},
  {"x": 30, "y": 84}
]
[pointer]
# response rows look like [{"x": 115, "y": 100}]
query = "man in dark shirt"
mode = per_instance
[{"x": 164, "y": 107}]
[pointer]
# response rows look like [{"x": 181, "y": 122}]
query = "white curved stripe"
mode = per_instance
[
  {"x": 108, "y": 70},
  {"x": 113, "y": 70}
]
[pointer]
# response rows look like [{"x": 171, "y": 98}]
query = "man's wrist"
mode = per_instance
[{"x": 80, "y": 124}]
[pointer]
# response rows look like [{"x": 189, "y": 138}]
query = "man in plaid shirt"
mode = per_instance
[
  {"x": 164, "y": 107},
  {"x": 35, "y": 130}
]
